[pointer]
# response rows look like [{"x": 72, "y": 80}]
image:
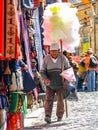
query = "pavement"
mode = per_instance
[{"x": 82, "y": 115}]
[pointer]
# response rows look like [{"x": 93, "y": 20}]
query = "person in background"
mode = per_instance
[
  {"x": 90, "y": 67},
  {"x": 81, "y": 76},
  {"x": 96, "y": 73},
  {"x": 73, "y": 63},
  {"x": 72, "y": 91},
  {"x": 37, "y": 77},
  {"x": 50, "y": 72}
]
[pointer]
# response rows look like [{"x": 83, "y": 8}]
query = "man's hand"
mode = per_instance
[
  {"x": 25, "y": 67},
  {"x": 47, "y": 82}
]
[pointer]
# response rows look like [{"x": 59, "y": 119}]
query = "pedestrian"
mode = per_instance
[
  {"x": 72, "y": 90},
  {"x": 37, "y": 77},
  {"x": 81, "y": 86},
  {"x": 90, "y": 63},
  {"x": 50, "y": 72}
]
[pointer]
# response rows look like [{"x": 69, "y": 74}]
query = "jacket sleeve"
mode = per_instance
[
  {"x": 21, "y": 63},
  {"x": 43, "y": 70}
]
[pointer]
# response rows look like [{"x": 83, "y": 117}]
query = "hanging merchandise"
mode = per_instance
[
  {"x": 2, "y": 119},
  {"x": 28, "y": 77},
  {"x": 16, "y": 100},
  {"x": 27, "y": 4},
  {"x": 8, "y": 31},
  {"x": 28, "y": 82},
  {"x": 3, "y": 102},
  {"x": 30, "y": 101},
  {"x": 26, "y": 42},
  {"x": 36, "y": 3},
  {"x": 38, "y": 37},
  {"x": 1, "y": 29},
  {"x": 16, "y": 81},
  {"x": 14, "y": 121},
  {"x": 3, "y": 110}
]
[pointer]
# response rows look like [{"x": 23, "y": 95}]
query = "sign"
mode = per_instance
[{"x": 85, "y": 44}]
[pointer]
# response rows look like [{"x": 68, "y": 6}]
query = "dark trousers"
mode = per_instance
[
  {"x": 49, "y": 102},
  {"x": 79, "y": 84}
]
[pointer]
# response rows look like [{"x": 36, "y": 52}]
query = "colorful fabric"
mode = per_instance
[
  {"x": 2, "y": 119},
  {"x": 4, "y": 102},
  {"x": 15, "y": 101},
  {"x": 1, "y": 29},
  {"x": 8, "y": 30},
  {"x": 14, "y": 121}
]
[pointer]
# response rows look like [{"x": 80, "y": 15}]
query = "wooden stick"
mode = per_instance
[
  {"x": 62, "y": 62},
  {"x": 66, "y": 108}
]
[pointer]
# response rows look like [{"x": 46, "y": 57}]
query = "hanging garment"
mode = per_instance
[
  {"x": 28, "y": 82},
  {"x": 1, "y": 29},
  {"x": 26, "y": 42},
  {"x": 38, "y": 37},
  {"x": 30, "y": 101},
  {"x": 17, "y": 83},
  {"x": 2, "y": 119},
  {"x": 27, "y": 4},
  {"x": 16, "y": 101},
  {"x": 3, "y": 102},
  {"x": 14, "y": 121},
  {"x": 36, "y": 3},
  {"x": 10, "y": 29}
]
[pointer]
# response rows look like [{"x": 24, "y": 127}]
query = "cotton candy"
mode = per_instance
[{"x": 61, "y": 22}]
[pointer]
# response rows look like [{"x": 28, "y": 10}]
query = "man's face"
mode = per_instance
[{"x": 54, "y": 53}]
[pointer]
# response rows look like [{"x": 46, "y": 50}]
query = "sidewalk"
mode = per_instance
[{"x": 82, "y": 115}]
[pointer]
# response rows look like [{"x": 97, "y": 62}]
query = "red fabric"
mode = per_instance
[
  {"x": 36, "y": 3},
  {"x": 14, "y": 121},
  {"x": 17, "y": 45},
  {"x": 1, "y": 28}
]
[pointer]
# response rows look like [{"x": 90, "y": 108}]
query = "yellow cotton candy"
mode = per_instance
[
  {"x": 57, "y": 22},
  {"x": 55, "y": 9}
]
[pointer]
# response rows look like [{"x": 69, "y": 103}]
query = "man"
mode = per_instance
[
  {"x": 50, "y": 72},
  {"x": 90, "y": 65}
]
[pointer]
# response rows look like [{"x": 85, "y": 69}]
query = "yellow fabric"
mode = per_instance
[{"x": 81, "y": 69}]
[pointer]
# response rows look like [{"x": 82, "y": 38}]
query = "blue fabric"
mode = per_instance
[
  {"x": 91, "y": 83},
  {"x": 4, "y": 102},
  {"x": 28, "y": 82}
]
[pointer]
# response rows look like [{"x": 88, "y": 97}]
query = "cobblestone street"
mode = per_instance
[{"x": 82, "y": 115}]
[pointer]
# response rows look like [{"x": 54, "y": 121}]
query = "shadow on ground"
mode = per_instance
[{"x": 45, "y": 125}]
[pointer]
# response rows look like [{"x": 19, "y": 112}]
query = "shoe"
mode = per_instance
[
  {"x": 59, "y": 119},
  {"x": 48, "y": 119}
]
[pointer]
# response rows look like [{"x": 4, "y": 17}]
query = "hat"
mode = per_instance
[
  {"x": 89, "y": 50},
  {"x": 83, "y": 54},
  {"x": 33, "y": 61},
  {"x": 54, "y": 46}
]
